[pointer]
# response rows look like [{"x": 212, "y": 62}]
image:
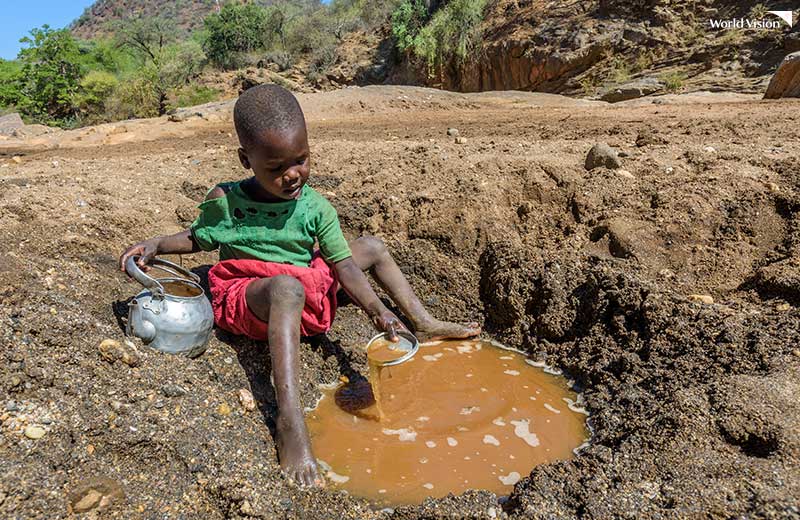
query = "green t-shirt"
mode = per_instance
[{"x": 282, "y": 232}]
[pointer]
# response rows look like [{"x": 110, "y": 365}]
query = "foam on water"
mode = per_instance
[
  {"x": 521, "y": 430},
  {"x": 452, "y": 442},
  {"x": 490, "y": 439},
  {"x": 404, "y": 434},
  {"x": 430, "y": 444},
  {"x": 499, "y": 421},
  {"x": 511, "y": 372},
  {"x": 551, "y": 408},
  {"x": 510, "y": 479}
]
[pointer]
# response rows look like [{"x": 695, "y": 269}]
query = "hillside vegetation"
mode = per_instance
[{"x": 135, "y": 58}]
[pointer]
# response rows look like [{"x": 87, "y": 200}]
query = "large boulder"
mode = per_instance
[
  {"x": 786, "y": 81},
  {"x": 9, "y": 123},
  {"x": 632, "y": 90}
]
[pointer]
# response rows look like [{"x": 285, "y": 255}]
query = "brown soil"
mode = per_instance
[{"x": 694, "y": 404}]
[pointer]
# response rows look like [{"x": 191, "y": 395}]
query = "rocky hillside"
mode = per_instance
[
  {"x": 591, "y": 48},
  {"x": 96, "y": 19}
]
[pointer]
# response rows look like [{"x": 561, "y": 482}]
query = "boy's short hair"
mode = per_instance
[{"x": 265, "y": 108}]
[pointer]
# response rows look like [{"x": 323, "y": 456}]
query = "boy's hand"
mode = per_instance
[
  {"x": 387, "y": 322},
  {"x": 146, "y": 250}
]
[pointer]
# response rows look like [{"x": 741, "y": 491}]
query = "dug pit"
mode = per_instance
[{"x": 459, "y": 415}]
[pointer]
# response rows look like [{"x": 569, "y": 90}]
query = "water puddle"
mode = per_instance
[{"x": 459, "y": 415}]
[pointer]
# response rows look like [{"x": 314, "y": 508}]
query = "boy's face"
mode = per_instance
[{"x": 280, "y": 162}]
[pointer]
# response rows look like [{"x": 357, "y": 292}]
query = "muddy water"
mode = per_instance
[
  {"x": 459, "y": 415},
  {"x": 181, "y": 289}
]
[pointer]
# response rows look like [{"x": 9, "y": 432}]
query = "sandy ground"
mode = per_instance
[{"x": 667, "y": 290}]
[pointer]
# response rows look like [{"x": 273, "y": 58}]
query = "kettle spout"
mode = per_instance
[{"x": 137, "y": 325}]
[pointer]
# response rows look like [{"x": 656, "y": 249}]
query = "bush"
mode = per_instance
[
  {"x": 236, "y": 29},
  {"x": 136, "y": 97},
  {"x": 452, "y": 33},
  {"x": 282, "y": 59},
  {"x": 96, "y": 87},
  {"x": 193, "y": 94},
  {"x": 9, "y": 82},
  {"x": 407, "y": 20},
  {"x": 673, "y": 81}
]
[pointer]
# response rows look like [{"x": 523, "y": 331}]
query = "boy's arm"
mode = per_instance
[
  {"x": 353, "y": 281},
  {"x": 177, "y": 244}
]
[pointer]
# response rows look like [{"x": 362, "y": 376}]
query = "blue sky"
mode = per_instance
[{"x": 18, "y": 17}]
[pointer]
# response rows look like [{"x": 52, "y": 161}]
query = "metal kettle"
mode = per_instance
[{"x": 172, "y": 323}]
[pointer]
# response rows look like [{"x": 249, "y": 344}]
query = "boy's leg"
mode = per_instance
[
  {"x": 370, "y": 254},
  {"x": 279, "y": 301}
]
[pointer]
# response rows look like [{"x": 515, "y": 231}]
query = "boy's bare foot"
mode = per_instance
[
  {"x": 294, "y": 450},
  {"x": 436, "y": 329}
]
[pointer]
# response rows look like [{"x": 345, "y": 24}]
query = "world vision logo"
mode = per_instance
[{"x": 750, "y": 23}]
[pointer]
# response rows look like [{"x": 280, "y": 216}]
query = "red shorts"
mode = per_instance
[{"x": 229, "y": 279}]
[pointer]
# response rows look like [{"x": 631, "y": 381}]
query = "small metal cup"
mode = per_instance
[{"x": 406, "y": 347}]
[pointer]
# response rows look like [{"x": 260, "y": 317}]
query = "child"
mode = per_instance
[{"x": 271, "y": 282}]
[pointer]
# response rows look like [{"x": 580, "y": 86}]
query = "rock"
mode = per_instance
[
  {"x": 702, "y": 298},
  {"x": 170, "y": 390},
  {"x": 98, "y": 493},
  {"x": 89, "y": 501},
  {"x": 602, "y": 155},
  {"x": 33, "y": 131},
  {"x": 246, "y": 509},
  {"x": 9, "y": 123},
  {"x": 17, "y": 159},
  {"x": 183, "y": 115},
  {"x": 786, "y": 81},
  {"x": 461, "y": 140},
  {"x": 247, "y": 400},
  {"x": 632, "y": 90},
  {"x": 792, "y": 42},
  {"x": 34, "y": 432},
  {"x": 452, "y": 132},
  {"x": 112, "y": 351}
]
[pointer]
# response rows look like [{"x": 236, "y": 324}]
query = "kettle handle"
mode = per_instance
[{"x": 151, "y": 283}]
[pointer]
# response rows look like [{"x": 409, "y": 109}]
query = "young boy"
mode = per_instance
[{"x": 271, "y": 282}]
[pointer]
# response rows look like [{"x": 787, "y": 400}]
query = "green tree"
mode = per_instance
[
  {"x": 9, "y": 83},
  {"x": 166, "y": 64},
  {"x": 50, "y": 75},
  {"x": 235, "y": 29}
]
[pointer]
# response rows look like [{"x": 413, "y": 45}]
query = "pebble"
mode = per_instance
[
  {"x": 247, "y": 400},
  {"x": 170, "y": 390},
  {"x": 34, "y": 432},
  {"x": 17, "y": 159},
  {"x": 702, "y": 298},
  {"x": 224, "y": 409},
  {"x": 782, "y": 307},
  {"x": 452, "y": 132},
  {"x": 461, "y": 140},
  {"x": 626, "y": 174}
]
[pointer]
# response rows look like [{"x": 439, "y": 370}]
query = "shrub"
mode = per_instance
[
  {"x": 673, "y": 81},
  {"x": 193, "y": 94},
  {"x": 9, "y": 82},
  {"x": 282, "y": 59},
  {"x": 452, "y": 33},
  {"x": 136, "y": 97},
  {"x": 407, "y": 20},
  {"x": 96, "y": 87},
  {"x": 236, "y": 29}
]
